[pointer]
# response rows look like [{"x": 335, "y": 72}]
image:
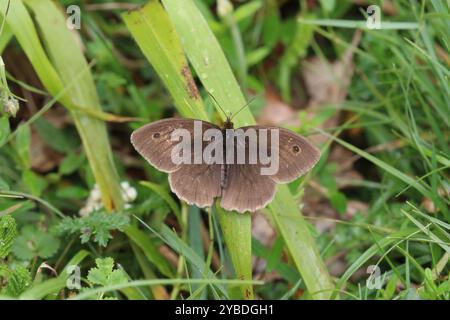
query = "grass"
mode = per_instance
[{"x": 378, "y": 197}]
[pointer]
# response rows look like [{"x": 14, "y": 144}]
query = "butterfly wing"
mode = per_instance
[
  {"x": 154, "y": 140},
  {"x": 197, "y": 184},
  {"x": 248, "y": 190},
  {"x": 297, "y": 156}
]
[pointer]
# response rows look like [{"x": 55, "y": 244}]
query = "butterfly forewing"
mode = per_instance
[
  {"x": 154, "y": 140},
  {"x": 296, "y": 156},
  {"x": 197, "y": 184}
]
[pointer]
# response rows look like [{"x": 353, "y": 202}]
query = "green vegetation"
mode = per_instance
[{"x": 83, "y": 216}]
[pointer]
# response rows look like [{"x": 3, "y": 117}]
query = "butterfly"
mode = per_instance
[{"x": 240, "y": 185}]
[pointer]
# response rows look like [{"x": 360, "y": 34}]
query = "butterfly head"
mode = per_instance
[{"x": 228, "y": 124}]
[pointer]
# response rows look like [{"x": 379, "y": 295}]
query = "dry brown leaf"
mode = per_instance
[
  {"x": 428, "y": 205},
  {"x": 275, "y": 112},
  {"x": 42, "y": 157},
  {"x": 387, "y": 7},
  {"x": 345, "y": 173},
  {"x": 327, "y": 83},
  {"x": 353, "y": 207},
  {"x": 262, "y": 230},
  {"x": 170, "y": 255}
]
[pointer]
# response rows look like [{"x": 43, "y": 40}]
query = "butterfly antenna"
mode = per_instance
[
  {"x": 217, "y": 103},
  {"x": 245, "y": 106}
]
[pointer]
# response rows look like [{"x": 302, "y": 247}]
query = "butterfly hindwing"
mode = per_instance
[
  {"x": 196, "y": 184},
  {"x": 246, "y": 188}
]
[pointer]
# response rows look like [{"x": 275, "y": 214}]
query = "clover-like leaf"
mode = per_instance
[
  {"x": 33, "y": 242},
  {"x": 104, "y": 273}
]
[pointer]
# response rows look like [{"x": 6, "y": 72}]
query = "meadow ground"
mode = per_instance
[{"x": 82, "y": 215}]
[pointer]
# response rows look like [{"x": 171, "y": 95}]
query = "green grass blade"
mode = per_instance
[
  {"x": 369, "y": 253},
  {"x": 300, "y": 244},
  {"x": 385, "y": 166},
  {"x": 6, "y": 36},
  {"x": 427, "y": 232},
  {"x": 53, "y": 286},
  {"x": 360, "y": 24},
  {"x": 176, "y": 243},
  {"x": 236, "y": 229},
  {"x": 150, "y": 250},
  {"x": 140, "y": 283},
  {"x": 156, "y": 36},
  {"x": 69, "y": 63},
  {"x": 21, "y": 25},
  {"x": 158, "y": 291},
  {"x": 196, "y": 243},
  {"x": 209, "y": 61},
  {"x": 159, "y": 190},
  {"x": 217, "y": 77},
  {"x": 154, "y": 33}
]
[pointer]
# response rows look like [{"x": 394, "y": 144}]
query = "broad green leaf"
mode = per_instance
[
  {"x": 154, "y": 33},
  {"x": 34, "y": 183},
  {"x": 71, "y": 163},
  {"x": 53, "y": 136},
  {"x": 4, "y": 129},
  {"x": 22, "y": 144},
  {"x": 338, "y": 201}
]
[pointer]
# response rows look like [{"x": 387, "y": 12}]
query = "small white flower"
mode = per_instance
[
  {"x": 130, "y": 195},
  {"x": 224, "y": 7},
  {"x": 11, "y": 106},
  {"x": 125, "y": 185},
  {"x": 96, "y": 194},
  {"x": 94, "y": 201}
]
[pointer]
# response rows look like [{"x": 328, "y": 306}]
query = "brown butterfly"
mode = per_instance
[{"x": 241, "y": 186}]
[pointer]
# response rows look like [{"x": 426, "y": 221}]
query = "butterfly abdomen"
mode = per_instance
[{"x": 224, "y": 170}]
